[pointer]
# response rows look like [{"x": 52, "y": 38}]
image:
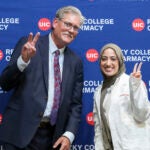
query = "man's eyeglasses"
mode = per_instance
[{"x": 69, "y": 26}]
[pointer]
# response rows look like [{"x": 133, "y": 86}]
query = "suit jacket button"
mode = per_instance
[{"x": 41, "y": 114}]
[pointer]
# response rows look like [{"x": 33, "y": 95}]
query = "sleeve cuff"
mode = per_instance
[
  {"x": 21, "y": 64},
  {"x": 69, "y": 135}
]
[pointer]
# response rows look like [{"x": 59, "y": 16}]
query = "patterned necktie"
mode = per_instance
[{"x": 57, "y": 88}]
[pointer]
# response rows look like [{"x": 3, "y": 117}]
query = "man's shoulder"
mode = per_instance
[{"x": 71, "y": 52}]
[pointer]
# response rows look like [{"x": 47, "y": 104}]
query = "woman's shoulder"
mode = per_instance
[
  {"x": 125, "y": 76},
  {"x": 123, "y": 80},
  {"x": 97, "y": 90}
]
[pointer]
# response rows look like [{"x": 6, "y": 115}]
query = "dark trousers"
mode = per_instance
[{"x": 42, "y": 139}]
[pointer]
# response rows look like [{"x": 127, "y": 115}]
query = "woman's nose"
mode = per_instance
[{"x": 108, "y": 62}]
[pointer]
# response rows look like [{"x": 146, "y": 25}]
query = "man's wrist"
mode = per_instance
[
  {"x": 21, "y": 64},
  {"x": 70, "y": 136}
]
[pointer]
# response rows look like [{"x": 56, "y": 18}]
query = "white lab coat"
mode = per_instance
[{"x": 128, "y": 115}]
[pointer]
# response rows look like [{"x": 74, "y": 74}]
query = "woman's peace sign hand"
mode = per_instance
[
  {"x": 28, "y": 49},
  {"x": 137, "y": 70}
]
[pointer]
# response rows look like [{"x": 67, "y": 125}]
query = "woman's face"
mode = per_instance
[{"x": 109, "y": 63}]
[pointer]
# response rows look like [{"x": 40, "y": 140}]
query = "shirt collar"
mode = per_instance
[{"x": 53, "y": 47}]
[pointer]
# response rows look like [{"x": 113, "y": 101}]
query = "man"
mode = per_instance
[{"x": 29, "y": 122}]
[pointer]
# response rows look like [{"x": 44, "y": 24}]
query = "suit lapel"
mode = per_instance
[
  {"x": 43, "y": 47},
  {"x": 66, "y": 71}
]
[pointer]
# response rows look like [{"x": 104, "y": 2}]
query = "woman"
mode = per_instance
[{"x": 121, "y": 106}]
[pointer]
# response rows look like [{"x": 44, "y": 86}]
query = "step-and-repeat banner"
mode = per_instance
[{"x": 124, "y": 22}]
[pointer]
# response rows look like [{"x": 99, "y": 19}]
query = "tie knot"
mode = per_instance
[{"x": 57, "y": 52}]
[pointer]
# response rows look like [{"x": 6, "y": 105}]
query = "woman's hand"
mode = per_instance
[{"x": 137, "y": 70}]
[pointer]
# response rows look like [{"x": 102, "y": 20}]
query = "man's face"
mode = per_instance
[{"x": 65, "y": 30}]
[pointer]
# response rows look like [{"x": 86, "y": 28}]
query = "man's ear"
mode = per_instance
[{"x": 54, "y": 23}]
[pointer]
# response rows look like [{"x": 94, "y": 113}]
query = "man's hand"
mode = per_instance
[
  {"x": 63, "y": 142},
  {"x": 28, "y": 49}
]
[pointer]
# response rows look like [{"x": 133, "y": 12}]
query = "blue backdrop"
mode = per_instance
[{"x": 124, "y": 22}]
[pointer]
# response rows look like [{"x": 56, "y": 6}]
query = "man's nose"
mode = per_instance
[{"x": 71, "y": 29}]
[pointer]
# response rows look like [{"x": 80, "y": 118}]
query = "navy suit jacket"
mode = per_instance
[{"x": 28, "y": 101}]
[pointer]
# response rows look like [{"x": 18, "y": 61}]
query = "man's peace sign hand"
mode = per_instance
[
  {"x": 28, "y": 49},
  {"x": 137, "y": 70}
]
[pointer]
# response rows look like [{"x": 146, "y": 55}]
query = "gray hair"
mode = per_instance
[{"x": 69, "y": 9}]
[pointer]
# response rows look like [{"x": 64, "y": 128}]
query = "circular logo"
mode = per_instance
[
  {"x": 44, "y": 24},
  {"x": 89, "y": 118},
  {"x": 92, "y": 55},
  {"x": 138, "y": 24},
  {"x": 1, "y": 55},
  {"x": 1, "y": 118}
]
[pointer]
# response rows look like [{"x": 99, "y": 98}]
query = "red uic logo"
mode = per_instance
[
  {"x": 44, "y": 24},
  {"x": 92, "y": 55},
  {"x": 89, "y": 118},
  {"x": 1, "y": 55},
  {"x": 1, "y": 118},
  {"x": 138, "y": 24}
]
